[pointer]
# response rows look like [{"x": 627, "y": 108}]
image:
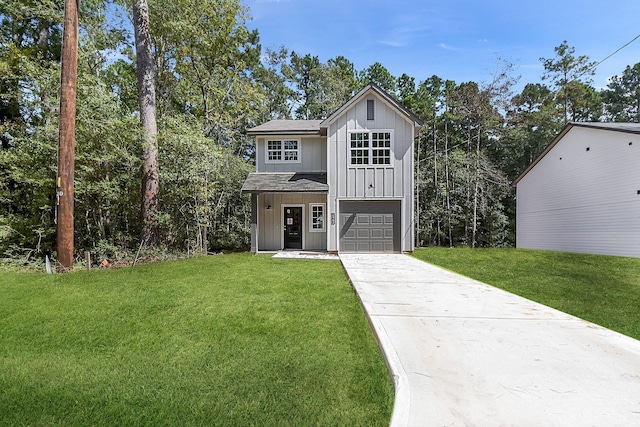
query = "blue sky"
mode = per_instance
[{"x": 459, "y": 40}]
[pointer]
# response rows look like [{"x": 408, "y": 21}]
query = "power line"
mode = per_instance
[{"x": 617, "y": 50}]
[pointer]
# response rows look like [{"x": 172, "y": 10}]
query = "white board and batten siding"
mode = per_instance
[
  {"x": 271, "y": 221},
  {"x": 583, "y": 195},
  {"x": 371, "y": 182},
  {"x": 312, "y": 152}
]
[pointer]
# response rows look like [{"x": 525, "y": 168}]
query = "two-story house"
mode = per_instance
[{"x": 343, "y": 184}]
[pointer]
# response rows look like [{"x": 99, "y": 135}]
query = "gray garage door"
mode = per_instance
[{"x": 372, "y": 226}]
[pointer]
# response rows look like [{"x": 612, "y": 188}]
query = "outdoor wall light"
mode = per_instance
[{"x": 268, "y": 207}]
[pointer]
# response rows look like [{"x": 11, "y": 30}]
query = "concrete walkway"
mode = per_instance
[{"x": 463, "y": 353}]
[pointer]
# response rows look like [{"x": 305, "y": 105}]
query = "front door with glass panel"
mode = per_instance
[{"x": 292, "y": 228}]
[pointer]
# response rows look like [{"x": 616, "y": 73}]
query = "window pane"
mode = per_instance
[
  {"x": 273, "y": 150},
  {"x": 274, "y": 145},
  {"x": 317, "y": 217},
  {"x": 291, "y": 155},
  {"x": 359, "y": 140},
  {"x": 291, "y": 145},
  {"x": 359, "y": 157},
  {"x": 382, "y": 142}
]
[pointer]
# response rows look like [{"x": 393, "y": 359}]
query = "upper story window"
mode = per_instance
[
  {"x": 360, "y": 148},
  {"x": 274, "y": 150},
  {"x": 381, "y": 148},
  {"x": 370, "y": 148},
  {"x": 290, "y": 150},
  {"x": 283, "y": 150}
]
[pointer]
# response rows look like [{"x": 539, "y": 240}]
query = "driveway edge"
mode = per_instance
[{"x": 402, "y": 398}]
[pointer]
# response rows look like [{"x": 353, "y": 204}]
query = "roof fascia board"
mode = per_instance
[
  {"x": 557, "y": 139},
  {"x": 363, "y": 93},
  {"x": 563, "y": 132},
  {"x": 592, "y": 125},
  {"x": 284, "y": 133}
]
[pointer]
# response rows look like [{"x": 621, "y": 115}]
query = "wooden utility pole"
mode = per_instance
[{"x": 67, "y": 137}]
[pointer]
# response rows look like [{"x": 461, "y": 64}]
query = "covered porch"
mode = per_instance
[{"x": 288, "y": 211}]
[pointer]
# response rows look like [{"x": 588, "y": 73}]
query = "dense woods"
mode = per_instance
[{"x": 213, "y": 81}]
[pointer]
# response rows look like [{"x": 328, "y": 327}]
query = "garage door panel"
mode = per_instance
[
  {"x": 350, "y": 246},
  {"x": 370, "y": 226},
  {"x": 379, "y": 233},
  {"x": 363, "y": 233},
  {"x": 363, "y": 246},
  {"x": 377, "y": 247},
  {"x": 363, "y": 219},
  {"x": 377, "y": 219}
]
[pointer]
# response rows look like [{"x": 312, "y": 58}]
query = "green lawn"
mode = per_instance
[
  {"x": 222, "y": 340},
  {"x": 602, "y": 289}
]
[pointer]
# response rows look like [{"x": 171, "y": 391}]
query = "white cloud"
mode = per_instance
[
  {"x": 447, "y": 47},
  {"x": 392, "y": 43},
  {"x": 403, "y": 30}
]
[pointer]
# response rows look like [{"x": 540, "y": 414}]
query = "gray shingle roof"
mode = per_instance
[
  {"x": 287, "y": 127},
  {"x": 620, "y": 127},
  {"x": 293, "y": 182}
]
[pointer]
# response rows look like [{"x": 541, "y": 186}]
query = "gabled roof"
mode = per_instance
[
  {"x": 613, "y": 127},
  {"x": 373, "y": 88},
  {"x": 319, "y": 127},
  {"x": 287, "y": 127}
]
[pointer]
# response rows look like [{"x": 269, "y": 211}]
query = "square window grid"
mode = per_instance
[
  {"x": 290, "y": 150},
  {"x": 381, "y": 144},
  {"x": 274, "y": 150},
  {"x": 360, "y": 148},
  {"x": 317, "y": 217}
]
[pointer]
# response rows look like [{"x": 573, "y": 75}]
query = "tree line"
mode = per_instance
[{"x": 213, "y": 81}]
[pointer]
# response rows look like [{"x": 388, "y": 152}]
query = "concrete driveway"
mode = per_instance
[{"x": 463, "y": 353}]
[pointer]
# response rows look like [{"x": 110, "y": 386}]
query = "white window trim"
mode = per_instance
[
  {"x": 282, "y": 150},
  {"x": 370, "y": 165},
  {"x": 324, "y": 218}
]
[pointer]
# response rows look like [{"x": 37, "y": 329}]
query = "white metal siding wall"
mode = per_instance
[
  {"x": 313, "y": 156},
  {"x": 583, "y": 201}
]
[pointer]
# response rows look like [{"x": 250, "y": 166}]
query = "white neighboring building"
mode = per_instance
[{"x": 582, "y": 194}]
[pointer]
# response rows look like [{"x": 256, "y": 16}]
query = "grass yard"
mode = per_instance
[
  {"x": 601, "y": 289},
  {"x": 222, "y": 340}
]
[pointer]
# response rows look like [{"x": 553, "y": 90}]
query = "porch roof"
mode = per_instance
[
  {"x": 287, "y": 127},
  {"x": 289, "y": 182}
]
